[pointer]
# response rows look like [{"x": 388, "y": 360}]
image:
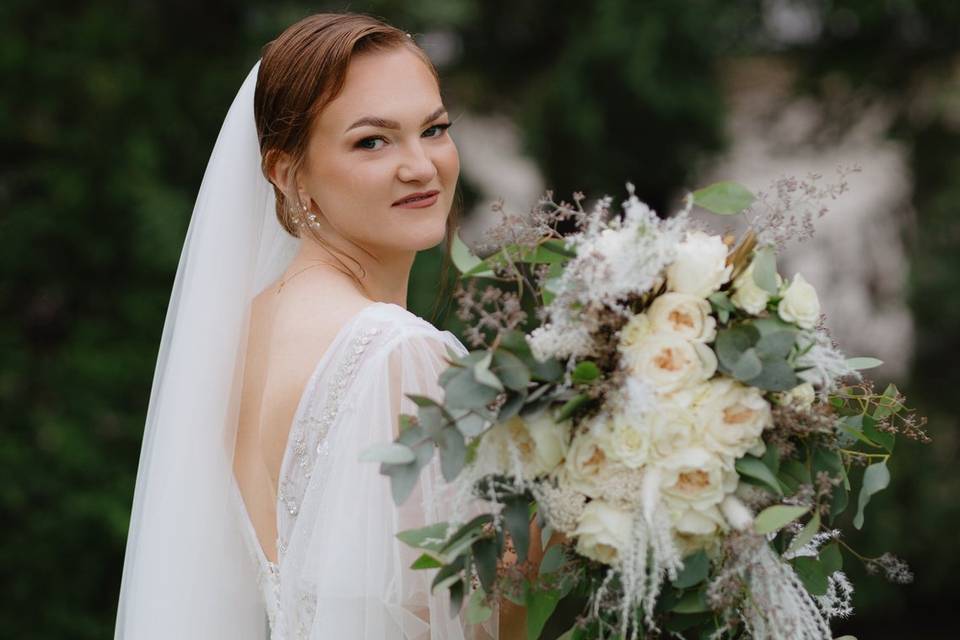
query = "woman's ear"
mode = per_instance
[{"x": 279, "y": 170}]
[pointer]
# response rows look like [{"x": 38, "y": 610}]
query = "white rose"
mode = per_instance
[
  {"x": 603, "y": 532},
  {"x": 700, "y": 266},
  {"x": 732, "y": 416},
  {"x": 747, "y": 294},
  {"x": 672, "y": 428},
  {"x": 695, "y": 478},
  {"x": 800, "y": 304},
  {"x": 801, "y": 395},
  {"x": 636, "y": 329},
  {"x": 685, "y": 315},
  {"x": 702, "y": 522},
  {"x": 629, "y": 441},
  {"x": 587, "y": 464},
  {"x": 538, "y": 445},
  {"x": 669, "y": 362}
]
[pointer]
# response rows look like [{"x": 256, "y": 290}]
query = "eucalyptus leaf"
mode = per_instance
[
  {"x": 552, "y": 559},
  {"x": 748, "y": 366},
  {"x": 453, "y": 453},
  {"x": 724, "y": 198},
  {"x": 485, "y": 557},
  {"x": 861, "y": 363},
  {"x": 570, "y": 406},
  {"x": 516, "y": 514},
  {"x": 765, "y": 270},
  {"x": 456, "y": 597},
  {"x": 756, "y": 469},
  {"x": 875, "y": 479},
  {"x": 811, "y": 573},
  {"x": 692, "y": 602},
  {"x": 389, "y": 452},
  {"x": 776, "y": 375},
  {"x": 462, "y": 256},
  {"x": 465, "y": 392},
  {"x": 540, "y": 604},
  {"x": 483, "y": 375},
  {"x": 477, "y": 610},
  {"x": 511, "y": 370},
  {"x": 469, "y": 422},
  {"x": 426, "y": 561},
  {"x": 806, "y": 534},
  {"x": 430, "y": 537},
  {"x": 776, "y": 344},
  {"x": 776, "y": 517},
  {"x": 733, "y": 341},
  {"x": 831, "y": 558},
  {"x": 696, "y": 567}
]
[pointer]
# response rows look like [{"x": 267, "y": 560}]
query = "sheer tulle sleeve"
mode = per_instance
[{"x": 352, "y": 563}]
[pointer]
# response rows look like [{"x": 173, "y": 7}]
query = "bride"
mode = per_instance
[{"x": 287, "y": 350}]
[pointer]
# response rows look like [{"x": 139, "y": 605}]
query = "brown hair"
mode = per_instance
[{"x": 301, "y": 72}]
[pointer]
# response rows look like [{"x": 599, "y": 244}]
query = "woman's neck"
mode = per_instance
[{"x": 384, "y": 276}]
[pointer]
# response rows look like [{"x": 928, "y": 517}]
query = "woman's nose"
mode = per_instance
[{"x": 417, "y": 165}]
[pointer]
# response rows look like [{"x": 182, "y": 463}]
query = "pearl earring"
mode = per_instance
[{"x": 305, "y": 216}]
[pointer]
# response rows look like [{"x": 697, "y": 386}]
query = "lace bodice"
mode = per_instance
[{"x": 350, "y": 401}]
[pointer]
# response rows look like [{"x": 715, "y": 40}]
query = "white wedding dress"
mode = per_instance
[
  {"x": 340, "y": 570},
  {"x": 192, "y": 561}
]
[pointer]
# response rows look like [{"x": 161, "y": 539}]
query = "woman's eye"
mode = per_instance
[
  {"x": 442, "y": 127},
  {"x": 363, "y": 144}
]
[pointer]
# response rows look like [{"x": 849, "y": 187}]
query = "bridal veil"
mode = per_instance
[{"x": 186, "y": 571}]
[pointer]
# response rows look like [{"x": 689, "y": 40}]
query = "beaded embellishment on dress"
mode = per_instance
[{"x": 308, "y": 446}]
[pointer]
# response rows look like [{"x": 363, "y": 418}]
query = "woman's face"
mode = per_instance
[{"x": 382, "y": 139}]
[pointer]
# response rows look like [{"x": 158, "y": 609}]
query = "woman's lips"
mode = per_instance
[{"x": 419, "y": 203}]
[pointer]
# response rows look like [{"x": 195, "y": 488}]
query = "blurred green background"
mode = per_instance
[{"x": 109, "y": 111}]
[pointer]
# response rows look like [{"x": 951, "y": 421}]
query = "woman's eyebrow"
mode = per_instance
[{"x": 383, "y": 123}]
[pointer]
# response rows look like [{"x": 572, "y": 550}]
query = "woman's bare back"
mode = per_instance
[{"x": 289, "y": 332}]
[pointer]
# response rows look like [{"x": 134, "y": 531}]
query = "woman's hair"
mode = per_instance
[{"x": 301, "y": 72}]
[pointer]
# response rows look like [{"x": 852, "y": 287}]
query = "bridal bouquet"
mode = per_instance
[{"x": 679, "y": 422}]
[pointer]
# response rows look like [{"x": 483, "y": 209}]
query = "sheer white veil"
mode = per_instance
[{"x": 187, "y": 573}]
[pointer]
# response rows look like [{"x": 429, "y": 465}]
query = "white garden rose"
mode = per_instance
[
  {"x": 684, "y": 315},
  {"x": 747, "y": 294},
  {"x": 732, "y": 416},
  {"x": 550, "y": 440},
  {"x": 672, "y": 428},
  {"x": 801, "y": 395},
  {"x": 537, "y": 445},
  {"x": 696, "y": 522},
  {"x": 700, "y": 266},
  {"x": 588, "y": 464},
  {"x": 629, "y": 441},
  {"x": 669, "y": 362},
  {"x": 695, "y": 478},
  {"x": 800, "y": 304},
  {"x": 636, "y": 329},
  {"x": 603, "y": 532}
]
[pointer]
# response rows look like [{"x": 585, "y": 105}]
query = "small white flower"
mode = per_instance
[
  {"x": 603, "y": 532},
  {"x": 800, "y": 304},
  {"x": 747, "y": 294},
  {"x": 736, "y": 513},
  {"x": 801, "y": 395},
  {"x": 700, "y": 265},
  {"x": 685, "y": 315}
]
